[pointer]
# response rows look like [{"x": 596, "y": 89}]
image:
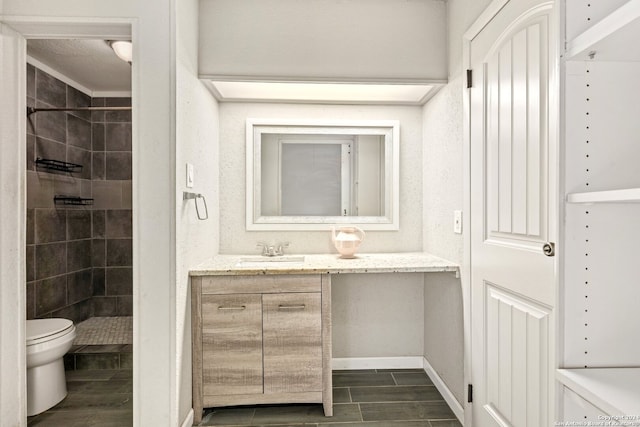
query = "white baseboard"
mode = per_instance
[
  {"x": 377, "y": 363},
  {"x": 188, "y": 422},
  {"x": 453, "y": 403}
]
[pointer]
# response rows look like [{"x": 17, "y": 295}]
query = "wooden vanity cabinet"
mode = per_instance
[{"x": 261, "y": 339}]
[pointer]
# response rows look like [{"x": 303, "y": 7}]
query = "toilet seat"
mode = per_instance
[{"x": 43, "y": 330}]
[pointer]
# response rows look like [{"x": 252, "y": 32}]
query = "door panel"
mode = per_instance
[
  {"x": 292, "y": 342},
  {"x": 512, "y": 281},
  {"x": 232, "y": 344}
]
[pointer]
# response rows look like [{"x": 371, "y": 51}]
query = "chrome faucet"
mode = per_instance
[{"x": 270, "y": 249}]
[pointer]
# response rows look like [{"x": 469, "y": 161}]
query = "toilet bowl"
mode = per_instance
[{"x": 47, "y": 341}]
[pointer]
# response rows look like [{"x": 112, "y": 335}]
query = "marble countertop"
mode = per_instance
[{"x": 402, "y": 262}]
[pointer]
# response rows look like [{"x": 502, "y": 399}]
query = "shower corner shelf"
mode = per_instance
[
  {"x": 72, "y": 200},
  {"x": 57, "y": 165},
  {"x": 627, "y": 195}
]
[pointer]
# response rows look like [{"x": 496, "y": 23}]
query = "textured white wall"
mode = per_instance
[
  {"x": 377, "y": 315},
  {"x": 443, "y": 193},
  {"x": 235, "y": 239},
  {"x": 197, "y": 134},
  {"x": 324, "y": 39}
]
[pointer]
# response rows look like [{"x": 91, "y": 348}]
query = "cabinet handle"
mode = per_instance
[
  {"x": 292, "y": 307},
  {"x": 241, "y": 307}
]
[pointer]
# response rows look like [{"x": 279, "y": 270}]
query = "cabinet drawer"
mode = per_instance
[
  {"x": 232, "y": 344},
  {"x": 263, "y": 284},
  {"x": 292, "y": 334}
]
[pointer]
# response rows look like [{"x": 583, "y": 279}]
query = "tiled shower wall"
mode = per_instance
[{"x": 79, "y": 259}]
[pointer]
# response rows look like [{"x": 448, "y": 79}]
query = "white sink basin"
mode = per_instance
[{"x": 270, "y": 261}]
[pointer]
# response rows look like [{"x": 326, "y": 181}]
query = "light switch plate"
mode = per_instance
[
  {"x": 190, "y": 175},
  {"x": 457, "y": 222}
]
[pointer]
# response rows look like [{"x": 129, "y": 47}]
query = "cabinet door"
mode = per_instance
[
  {"x": 292, "y": 328},
  {"x": 231, "y": 344}
]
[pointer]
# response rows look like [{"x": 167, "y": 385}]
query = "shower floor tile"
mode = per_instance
[{"x": 105, "y": 330}]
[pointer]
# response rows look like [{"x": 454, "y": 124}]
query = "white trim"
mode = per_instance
[
  {"x": 69, "y": 81},
  {"x": 303, "y": 79},
  {"x": 58, "y": 75},
  {"x": 358, "y": 363},
  {"x": 188, "y": 421},
  {"x": 50, "y": 27},
  {"x": 487, "y": 15},
  {"x": 453, "y": 403}
]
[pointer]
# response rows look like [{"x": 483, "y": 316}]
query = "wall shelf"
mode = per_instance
[
  {"x": 615, "y": 391},
  {"x": 57, "y": 165},
  {"x": 72, "y": 200},
  {"x": 628, "y": 195},
  {"x": 614, "y": 38}
]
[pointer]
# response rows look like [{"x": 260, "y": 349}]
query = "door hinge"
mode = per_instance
[
  {"x": 469, "y": 393},
  {"x": 469, "y": 79}
]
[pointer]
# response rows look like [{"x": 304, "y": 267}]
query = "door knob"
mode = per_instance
[{"x": 549, "y": 249}]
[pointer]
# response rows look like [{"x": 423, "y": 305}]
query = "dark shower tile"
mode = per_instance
[
  {"x": 405, "y": 411},
  {"x": 31, "y": 81},
  {"x": 51, "y": 260},
  {"x": 98, "y": 165},
  {"x": 31, "y": 230},
  {"x": 119, "y": 281},
  {"x": 98, "y": 223},
  {"x": 51, "y": 294},
  {"x": 78, "y": 224},
  {"x": 51, "y": 225},
  {"x": 30, "y": 262},
  {"x": 97, "y": 361},
  {"x": 78, "y": 255},
  {"x": 126, "y": 360},
  {"x": 51, "y": 125},
  {"x": 79, "y": 286},
  {"x": 31, "y": 152},
  {"x": 118, "y": 116},
  {"x": 104, "y": 306},
  {"x": 97, "y": 116},
  {"x": 119, "y": 223},
  {"x": 75, "y": 98},
  {"x": 78, "y": 132},
  {"x": 99, "y": 282},
  {"x": 48, "y": 149},
  {"x": 76, "y": 312},
  {"x": 98, "y": 252},
  {"x": 118, "y": 136},
  {"x": 119, "y": 101},
  {"x": 118, "y": 166},
  {"x": 31, "y": 118},
  {"x": 80, "y": 157},
  {"x": 31, "y": 300},
  {"x": 50, "y": 90},
  {"x": 119, "y": 253},
  {"x": 97, "y": 136},
  {"x": 125, "y": 306}
]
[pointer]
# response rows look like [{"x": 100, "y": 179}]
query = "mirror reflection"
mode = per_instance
[{"x": 305, "y": 175}]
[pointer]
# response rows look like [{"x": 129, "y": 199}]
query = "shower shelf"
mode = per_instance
[
  {"x": 57, "y": 165},
  {"x": 72, "y": 200}
]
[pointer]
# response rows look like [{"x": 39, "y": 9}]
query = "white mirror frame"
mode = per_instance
[{"x": 390, "y": 129}]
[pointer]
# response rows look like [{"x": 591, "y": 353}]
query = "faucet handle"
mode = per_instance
[
  {"x": 264, "y": 246},
  {"x": 281, "y": 247}
]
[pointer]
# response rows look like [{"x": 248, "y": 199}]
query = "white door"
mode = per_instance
[{"x": 513, "y": 192}]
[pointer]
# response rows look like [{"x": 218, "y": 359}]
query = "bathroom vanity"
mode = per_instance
[{"x": 261, "y": 326}]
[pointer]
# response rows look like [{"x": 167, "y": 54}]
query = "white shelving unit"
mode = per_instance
[
  {"x": 601, "y": 232},
  {"x": 627, "y": 195}
]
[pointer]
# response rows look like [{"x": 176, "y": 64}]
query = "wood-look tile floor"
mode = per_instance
[
  {"x": 96, "y": 398},
  {"x": 369, "y": 398}
]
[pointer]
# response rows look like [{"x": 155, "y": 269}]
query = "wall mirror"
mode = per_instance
[{"x": 307, "y": 175}]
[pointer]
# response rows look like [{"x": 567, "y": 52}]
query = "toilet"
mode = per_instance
[{"x": 47, "y": 342}]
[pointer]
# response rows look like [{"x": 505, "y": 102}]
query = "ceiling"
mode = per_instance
[{"x": 89, "y": 63}]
